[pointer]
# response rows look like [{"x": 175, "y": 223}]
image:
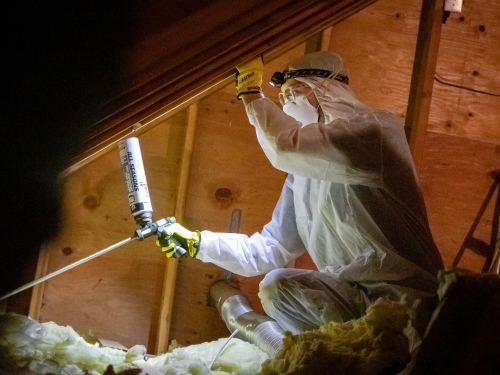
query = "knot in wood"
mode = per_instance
[
  {"x": 223, "y": 195},
  {"x": 91, "y": 202},
  {"x": 67, "y": 250}
]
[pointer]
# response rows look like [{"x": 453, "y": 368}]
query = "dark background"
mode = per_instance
[{"x": 60, "y": 61}]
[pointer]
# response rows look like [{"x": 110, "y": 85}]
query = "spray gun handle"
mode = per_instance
[{"x": 179, "y": 251}]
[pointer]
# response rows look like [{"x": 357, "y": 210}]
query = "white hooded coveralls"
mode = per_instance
[{"x": 351, "y": 200}]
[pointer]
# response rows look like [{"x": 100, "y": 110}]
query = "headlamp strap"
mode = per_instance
[
  {"x": 315, "y": 73},
  {"x": 280, "y": 78}
]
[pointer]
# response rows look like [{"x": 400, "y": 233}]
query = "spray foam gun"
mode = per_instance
[{"x": 140, "y": 205}]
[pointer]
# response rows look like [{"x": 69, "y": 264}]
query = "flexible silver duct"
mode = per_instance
[{"x": 235, "y": 310}]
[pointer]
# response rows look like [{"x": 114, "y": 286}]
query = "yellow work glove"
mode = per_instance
[
  {"x": 249, "y": 77},
  {"x": 176, "y": 241}
]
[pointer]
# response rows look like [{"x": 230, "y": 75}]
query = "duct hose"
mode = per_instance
[{"x": 237, "y": 313}]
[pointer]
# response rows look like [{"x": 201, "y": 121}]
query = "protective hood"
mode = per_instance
[{"x": 335, "y": 98}]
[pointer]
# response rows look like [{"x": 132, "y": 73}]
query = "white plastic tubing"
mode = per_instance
[{"x": 237, "y": 313}]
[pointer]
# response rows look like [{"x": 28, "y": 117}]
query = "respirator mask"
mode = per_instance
[
  {"x": 301, "y": 110},
  {"x": 295, "y": 104},
  {"x": 293, "y": 99}
]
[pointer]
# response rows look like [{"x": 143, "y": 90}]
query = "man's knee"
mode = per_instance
[{"x": 271, "y": 282}]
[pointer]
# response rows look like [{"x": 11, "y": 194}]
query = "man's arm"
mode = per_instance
[
  {"x": 248, "y": 98},
  {"x": 277, "y": 244}
]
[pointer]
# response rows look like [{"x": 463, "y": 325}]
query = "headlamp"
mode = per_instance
[{"x": 280, "y": 78}]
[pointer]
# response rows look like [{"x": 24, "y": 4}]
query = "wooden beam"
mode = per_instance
[
  {"x": 424, "y": 66},
  {"x": 162, "y": 340}
]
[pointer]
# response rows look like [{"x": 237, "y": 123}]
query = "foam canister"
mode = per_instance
[{"x": 135, "y": 180}]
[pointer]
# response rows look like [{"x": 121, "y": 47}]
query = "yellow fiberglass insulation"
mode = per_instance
[{"x": 371, "y": 345}]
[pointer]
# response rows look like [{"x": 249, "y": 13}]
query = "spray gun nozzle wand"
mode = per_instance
[
  {"x": 72, "y": 265},
  {"x": 140, "y": 234}
]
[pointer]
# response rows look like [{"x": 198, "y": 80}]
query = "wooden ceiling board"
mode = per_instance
[
  {"x": 463, "y": 136},
  {"x": 469, "y": 58},
  {"x": 456, "y": 175},
  {"x": 380, "y": 59},
  {"x": 461, "y": 113},
  {"x": 453, "y": 181}
]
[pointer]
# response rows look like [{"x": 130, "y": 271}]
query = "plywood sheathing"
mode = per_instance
[
  {"x": 456, "y": 176},
  {"x": 377, "y": 45},
  {"x": 469, "y": 57},
  {"x": 461, "y": 154}
]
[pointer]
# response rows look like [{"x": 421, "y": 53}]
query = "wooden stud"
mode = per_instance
[
  {"x": 424, "y": 66},
  {"x": 172, "y": 264},
  {"x": 185, "y": 168}
]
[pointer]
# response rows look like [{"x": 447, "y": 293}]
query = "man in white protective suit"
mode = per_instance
[{"x": 351, "y": 200}]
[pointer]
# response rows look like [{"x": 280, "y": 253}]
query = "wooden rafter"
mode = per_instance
[{"x": 426, "y": 53}]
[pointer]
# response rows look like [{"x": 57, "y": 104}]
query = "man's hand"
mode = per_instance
[
  {"x": 175, "y": 236},
  {"x": 249, "y": 77}
]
